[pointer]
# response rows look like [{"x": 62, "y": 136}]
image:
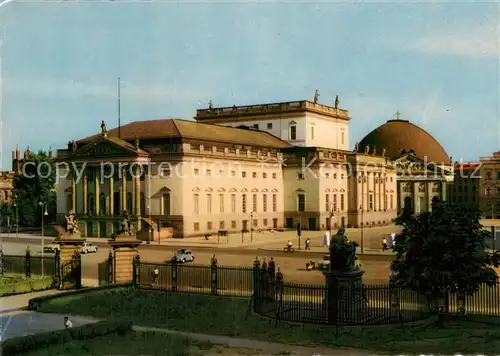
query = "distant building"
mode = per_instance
[
  {"x": 6, "y": 186},
  {"x": 489, "y": 188},
  {"x": 466, "y": 185}
]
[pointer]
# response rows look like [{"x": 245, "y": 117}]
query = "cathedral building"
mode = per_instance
[{"x": 233, "y": 169}]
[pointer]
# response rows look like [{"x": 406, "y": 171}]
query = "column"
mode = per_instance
[
  {"x": 138, "y": 198},
  {"x": 124, "y": 190},
  {"x": 111, "y": 195},
  {"x": 443, "y": 191},
  {"x": 97, "y": 192},
  {"x": 73, "y": 192},
  {"x": 428, "y": 189},
  {"x": 416, "y": 208},
  {"x": 386, "y": 197},
  {"x": 85, "y": 198},
  {"x": 147, "y": 182}
]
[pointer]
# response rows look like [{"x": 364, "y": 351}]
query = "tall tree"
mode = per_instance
[
  {"x": 443, "y": 251},
  {"x": 35, "y": 185}
]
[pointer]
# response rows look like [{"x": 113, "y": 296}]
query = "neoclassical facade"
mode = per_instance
[{"x": 250, "y": 167}]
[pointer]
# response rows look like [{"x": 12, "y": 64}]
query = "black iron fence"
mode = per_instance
[
  {"x": 176, "y": 277},
  {"x": 106, "y": 271},
  {"x": 28, "y": 265}
]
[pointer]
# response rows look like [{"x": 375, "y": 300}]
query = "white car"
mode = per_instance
[
  {"x": 51, "y": 248},
  {"x": 88, "y": 248}
]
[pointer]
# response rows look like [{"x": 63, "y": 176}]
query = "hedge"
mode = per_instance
[
  {"x": 26, "y": 286},
  {"x": 24, "y": 344}
]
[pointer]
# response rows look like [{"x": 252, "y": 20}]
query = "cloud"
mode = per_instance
[{"x": 480, "y": 42}]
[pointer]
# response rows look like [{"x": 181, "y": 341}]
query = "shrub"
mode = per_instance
[{"x": 24, "y": 344}]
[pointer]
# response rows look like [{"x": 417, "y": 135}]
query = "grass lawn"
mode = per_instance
[
  {"x": 16, "y": 283},
  {"x": 226, "y": 316},
  {"x": 141, "y": 343}
]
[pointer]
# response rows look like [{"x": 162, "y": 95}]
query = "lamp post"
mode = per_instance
[
  {"x": 16, "y": 205},
  {"x": 362, "y": 237},
  {"x": 44, "y": 214},
  {"x": 251, "y": 226}
]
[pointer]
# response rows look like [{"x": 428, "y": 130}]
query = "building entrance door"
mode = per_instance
[
  {"x": 342, "y": 222},
  {"x": 245, "y": 225},
  {"x": 102, "y": 229},
  {"x": 116, "y": 203},
  {"x": 312, "y": 224},
  {"x": 275, "y": 223},
  {"x": 90, "y": 230},
  {"x": 289, "y": 223}
]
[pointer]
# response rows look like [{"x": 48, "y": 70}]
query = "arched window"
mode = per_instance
[
  {"x": 90, "y": 204},
  {"x": 129, "y": 202},
  {"x": 102, "y": 204},
  {"x": 143, "y": 204}
]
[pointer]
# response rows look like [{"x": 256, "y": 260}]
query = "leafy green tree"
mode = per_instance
[
  {"x": 7, "y": 215},
  {"x": 34, "y": 185},
  {"x": 443, "y": 251}
]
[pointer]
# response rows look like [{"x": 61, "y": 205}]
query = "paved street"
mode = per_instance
[{"x": 292, "y": 264}]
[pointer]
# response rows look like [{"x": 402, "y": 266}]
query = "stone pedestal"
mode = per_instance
[
  {"x": 70, "y": 260},
  {"x": 125, "y": 250},
  {"x": 345, "y": 301}
]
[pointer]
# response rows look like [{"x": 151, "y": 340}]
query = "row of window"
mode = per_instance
[
  {"x": 459, "y": 189},
  {"x": 465, "y": 199},
  {"x": 166, "y": 172},
  {"x": 292, "y": 132},
  {"x": 244, "y": 225},
  {"x": 489, "y": 191},
  {"x": 489, "y": 175},
  {"x": 232, "y": 209}
]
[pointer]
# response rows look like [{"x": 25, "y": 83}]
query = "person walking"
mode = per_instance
[
  {"x": 308, "y": 242},
  {"x": 384, "y": 244}
]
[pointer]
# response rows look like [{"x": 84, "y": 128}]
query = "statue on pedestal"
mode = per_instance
[
  {"x": 71, "y": 223},
  {"x": 316, "y": 97},
  {"x": 337, "y": 102},
  {"x": 342, "y": 253},
  {"x": 104, "y": 131},
  {"x": 126, "y": 228}
]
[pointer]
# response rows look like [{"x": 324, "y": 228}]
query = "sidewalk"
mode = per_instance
[{"x": 20, "y": 301}]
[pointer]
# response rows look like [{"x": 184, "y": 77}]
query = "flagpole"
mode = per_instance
[{"x": 119, "y": 123}]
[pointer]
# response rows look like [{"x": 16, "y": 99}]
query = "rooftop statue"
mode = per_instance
[
  {"x": 104, "y": 131},
  {"x": 210, "y": 107},
  {"x": 356, "y": 147},
  {"x": 342, "y": 253},
  {"x": 337, "y": 102},
  {"x": 316, "y": 96},
  {"x": 367, "y": 149}
]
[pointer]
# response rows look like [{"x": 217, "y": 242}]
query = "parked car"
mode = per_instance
[
  {"x": 183, "y": 256},
  {"x": 51, "y": 248},
  {"x": 88, "y": 248}
]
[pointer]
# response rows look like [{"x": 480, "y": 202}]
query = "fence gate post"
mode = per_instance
[
  {"x": 57, "y": 267},
  {"x": 27, "y": 263},
  {"x": 213, "y": 273},
  {"x": 135, "y": 271},
  {"x": 109, "y": 266},
  {"x": 256, "y": 285},
  {"x": 174, "y": 275}
]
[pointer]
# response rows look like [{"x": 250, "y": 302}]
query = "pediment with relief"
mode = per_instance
[{"x": 104, "y": 148}]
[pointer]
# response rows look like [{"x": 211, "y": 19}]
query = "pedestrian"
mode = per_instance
[
  {"x": 67, "y": 323},
  {"x": 326, "y": 239},
  {"x": 393, "y": 235},
  {"x": 156, "y": 274},
  {"x": 384, "y": 244},
  {"x": 389, "y": 242},
  {"x": 308, "y": 242}
]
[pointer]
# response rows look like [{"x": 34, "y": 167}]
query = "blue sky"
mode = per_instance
[{"x": 437, "y": 62}]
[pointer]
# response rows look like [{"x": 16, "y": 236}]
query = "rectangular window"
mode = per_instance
[
  {"x": 209, "y": 226},
  {"x": 254, "y": 175},
  {"x": 196, "y": 226},
  {"x": 221, "y": 225},
  {"x": 342, "y": 137},
  {"x": 196, "y": 203},
  {"x": 342, "y": 202},
  {"x": 312, "y": 132},
  {"x": 243, "y": 203},
  {"x": 243, "y": 174},
  {"x": 255, "y": 224},
  {"x": 254, "y": 202},
  {"x": 165, "y": 172},
  {"x": 327, "y": 202},
  {"x": 209, "y": 203},
  {"x": 392, "y": 202},
  {"x": 371, "y": 202},
  {"x": 233, "y": 224},
  {"x": 264, "y": 175},
  {"x": 264, "y": 222},
  {"x": 264, "y": 203},
  {"x": 256, "y": 126},
  {"x": 166, "y": 204},
  {"x": 487, "y": 191},
  {"x": 274, "y": 175},
  {"x": 269, "y": 126},
  {"x": 233, "y": 203},
  {"x": 221, "y": 202},
  {"x": 196, "y": 172},
  {"x": 209, "y": 172},
  {"x": 275, "y": 202},
  {"x": 301, "y": 203},
  {"x": 293, "y": 132},
  {"x": 334, "y": 202},
  {"x": 385, "y": 201},
  {"x": 233, "y": 173},
  {"x": 301, "y": 175},
  {"x": 498, "y": 175}
]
